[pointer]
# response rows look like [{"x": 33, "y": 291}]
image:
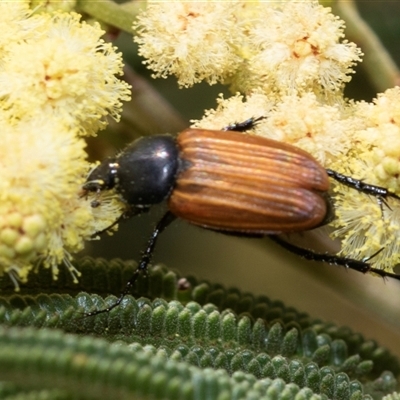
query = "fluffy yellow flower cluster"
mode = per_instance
[
  {"x": 366, "y": 226},
  {"x": 314, "y": 126},
  {"x": 289, "y": 62},
  {"x": 279, "y": 47},
  {"x": 57, "y": 83}
]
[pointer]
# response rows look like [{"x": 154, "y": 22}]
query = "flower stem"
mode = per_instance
[
  {"x": 378, "y": 64},
  {"x": 148, "y": 112},
  {"x": 118, "y": 15}
]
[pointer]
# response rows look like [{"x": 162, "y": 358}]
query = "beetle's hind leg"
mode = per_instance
[
  {"x": 357, "y": 265},
  {"x": 380, "y": 192}
]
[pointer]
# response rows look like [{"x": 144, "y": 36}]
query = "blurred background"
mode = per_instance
[{"x": 367, "y": 304}]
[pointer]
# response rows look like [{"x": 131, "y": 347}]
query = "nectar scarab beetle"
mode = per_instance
[{"x": 229, "y": 182}]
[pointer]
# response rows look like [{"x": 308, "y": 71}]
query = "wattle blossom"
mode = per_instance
[
  {"x": 58, "y": 81},
  {"x": 279, "y": 48}
]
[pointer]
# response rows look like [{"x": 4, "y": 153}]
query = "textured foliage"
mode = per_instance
[{"x": 173, "y": 343}]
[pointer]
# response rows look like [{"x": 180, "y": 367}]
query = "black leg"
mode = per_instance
[
  {"x": 360, "y": 266},
  {"x": 379, "y": 192},
  {"x": 243, "y": 126},
  {"x": 143, "y": 264}
]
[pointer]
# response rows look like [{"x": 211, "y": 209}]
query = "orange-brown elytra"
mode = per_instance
[
  {"x": 235, "y": 182},
  {"x": 225, "y": 181}
]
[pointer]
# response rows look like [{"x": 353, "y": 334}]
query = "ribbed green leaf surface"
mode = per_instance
[{"x": 175, "y": 344}]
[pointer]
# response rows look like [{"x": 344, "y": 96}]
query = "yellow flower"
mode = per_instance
[
  {"x": 15, "y": 26},
  {"x": 67, "y": 72},
  {"x": 39, "y": 160},
  {"x": 279, "y": 48},
  {"x": 57, "y": 82},
  {"x": 42, "y": 213},
  {"x": 320, "y": 129},
  {"x": 367, "y": 225},
  {"x": 235, "y": 109},
  {"x": 297, "y": 49},
  {"x": 189, "y": 39},
  {"x": 381, "y": 138}
]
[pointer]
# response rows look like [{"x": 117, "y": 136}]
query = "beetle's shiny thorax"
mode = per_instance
[{"x": 147, "y": 170}]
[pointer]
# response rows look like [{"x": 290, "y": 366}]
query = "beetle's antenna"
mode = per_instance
[
  {"x": 143, "y": 264},
  {"x": 357, "y": 265}
]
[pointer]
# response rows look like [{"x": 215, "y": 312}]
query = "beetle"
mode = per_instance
[{"x": 228, "y": 182}]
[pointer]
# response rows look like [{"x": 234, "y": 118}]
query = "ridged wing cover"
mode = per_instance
[{"x": 248, "y": 184}]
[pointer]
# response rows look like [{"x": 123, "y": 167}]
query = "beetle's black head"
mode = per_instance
[
  {"x": 102, "y": 177},
  {"x": 143, "y": 174}
]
